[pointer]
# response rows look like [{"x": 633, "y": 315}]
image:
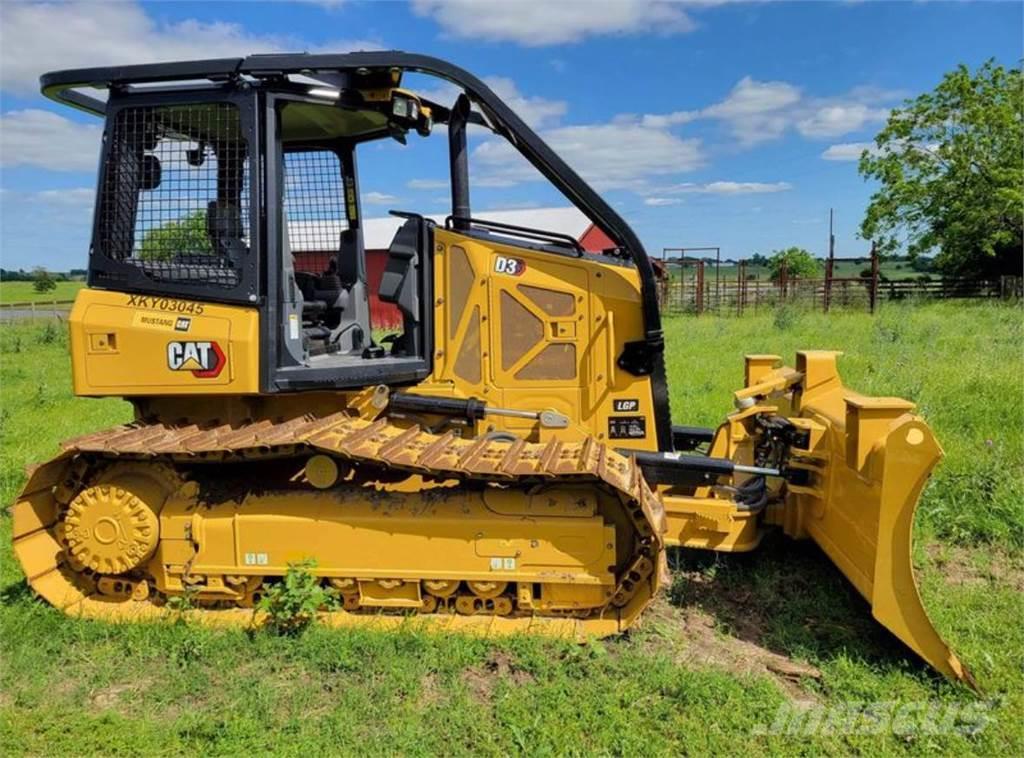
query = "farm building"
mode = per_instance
[{"x": 313, "y": 242}]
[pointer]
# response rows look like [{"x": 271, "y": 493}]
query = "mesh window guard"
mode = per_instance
[
  {"x": 314, "y": 207},
  {"x": 175, "y": 193}
]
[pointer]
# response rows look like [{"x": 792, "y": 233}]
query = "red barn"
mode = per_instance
[{"x": 378, "y": 233}]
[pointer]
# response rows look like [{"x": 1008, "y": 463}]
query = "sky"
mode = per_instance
[{"x": 704, "y": 122}]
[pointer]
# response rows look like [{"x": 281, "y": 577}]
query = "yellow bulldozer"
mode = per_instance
[{"x": 503, "y": 461}]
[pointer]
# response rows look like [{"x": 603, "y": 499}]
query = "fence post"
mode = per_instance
[
  {"x": 874, "y": 276},
  {"x": 829, "y": 273},
  {"x": 741, "y": 280},
  {"x": 700, "y": 287}
]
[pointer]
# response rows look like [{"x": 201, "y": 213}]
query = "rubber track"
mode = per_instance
[{"x": 379, "y": 443}]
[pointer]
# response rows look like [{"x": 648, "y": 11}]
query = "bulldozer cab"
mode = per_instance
[
  {"x": 206, "y": 195},
  {"x": 210, "y": 186}
]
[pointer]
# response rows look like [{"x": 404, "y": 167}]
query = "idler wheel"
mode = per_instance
[{"x": 113, "y": 526}]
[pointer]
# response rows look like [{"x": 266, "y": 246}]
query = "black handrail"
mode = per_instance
[{"x": 523, "y": 231}]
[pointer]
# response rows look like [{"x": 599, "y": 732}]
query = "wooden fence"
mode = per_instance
[{"x": 698, "y": 294}]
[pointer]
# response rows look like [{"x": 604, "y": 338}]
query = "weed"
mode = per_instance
[
  {"x": 889, "y": 328},
  {"x": 49, "y": 334},
  {"x": 183, "y": 602},
  {"x": 190, "y": 649},
  {"x": 786, "y": 317},
  {"x": 292, "y": 603}
]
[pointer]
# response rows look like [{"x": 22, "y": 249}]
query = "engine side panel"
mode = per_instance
[
  {"x": 129, "y": 344},
  {"x": 529, "y": 330}
]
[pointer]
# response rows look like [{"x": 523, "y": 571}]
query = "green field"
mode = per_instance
[
  {"x": 23, "y": 292},
  {"x": 735, "y": 638}
]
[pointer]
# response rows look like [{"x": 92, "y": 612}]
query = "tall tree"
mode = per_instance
[
  {"x": 799, "y": 264},
  {"x": 183, "y": 236},
  {"x": 951, "y": 167},
  {"x": 42, "y": 280}
]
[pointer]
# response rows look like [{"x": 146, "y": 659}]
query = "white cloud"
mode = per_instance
[
  {"x": 851, "y": 151},
  {"x": 838, "y": 119},
  {"x": 77, "y": 197},
  {"x": 617, "y": 155},
  {"x": 516, "y": 206},
  {"x": 744, "y": 188},
  {"x": 426, "y": 184},
  {"x": 758, "y": 111},
  {"x": 535, "y": 111},
  {"x": 378, "y": 198},
  {"x": 536, "y": 23},
  {"x": 660, "y": 201},
  {"x": 846, "y": 151},
  {"x": 42, "y": 139},
  {"x": 750, "y": 97},
  {"x": 72, "y": 198},
  {"x": 47, "y": 36},
  {"x": 724, "y": 188},
  {"x": 665, "y": 120}
]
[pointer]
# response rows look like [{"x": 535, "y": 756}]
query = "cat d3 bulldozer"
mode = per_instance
[{"x": 501, "y": 459}]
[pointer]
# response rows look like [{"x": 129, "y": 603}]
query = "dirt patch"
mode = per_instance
[
  {"x": 965, "y": 566},
  {"x": 431, "y": 690},
  {"x": 695, "y": 640},
  {"x": 480, "y": 684},
  {"x": 118, "y": 697},
  {"x": 481, "y": 680}
]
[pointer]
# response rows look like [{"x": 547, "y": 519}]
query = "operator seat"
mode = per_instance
[{"x": 400, "y": 285}]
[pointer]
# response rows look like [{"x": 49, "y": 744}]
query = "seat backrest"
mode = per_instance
[{"x": 398, "y": 283}]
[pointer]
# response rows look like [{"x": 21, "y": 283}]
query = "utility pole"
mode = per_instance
[{"x": 830, "y": 263}]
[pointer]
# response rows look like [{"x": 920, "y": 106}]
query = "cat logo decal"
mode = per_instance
[{"x": 204, "y": 359}]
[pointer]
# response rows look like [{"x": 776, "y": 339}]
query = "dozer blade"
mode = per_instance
[{"x": 868, "y": 460}]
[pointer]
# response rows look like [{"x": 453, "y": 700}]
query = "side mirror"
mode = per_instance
[{"x": 150, "y": 173}]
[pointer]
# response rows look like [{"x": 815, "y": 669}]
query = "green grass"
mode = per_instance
[
  {"x": 962, "y": 363},
  {"x": 22, "y": 292},
  {"x": 73, "y": 687}
]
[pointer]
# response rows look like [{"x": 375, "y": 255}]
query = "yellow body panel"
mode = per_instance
[
  {"x": 529, "y": 330},
  {"x": 126, "y": 344},
  {"x": 488, "y": 536}
]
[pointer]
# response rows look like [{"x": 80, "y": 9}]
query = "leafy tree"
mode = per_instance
[
  {"x": 43, "y": 281},
  {"x": 186, "y": 236},
  {"x": 758, "y": 260},
  {"x": 951, "y": 167},
  {"x": 10, "y": 275},
  {"x": 923, "y": 264},
  {"x": 799, "y": 264}
]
